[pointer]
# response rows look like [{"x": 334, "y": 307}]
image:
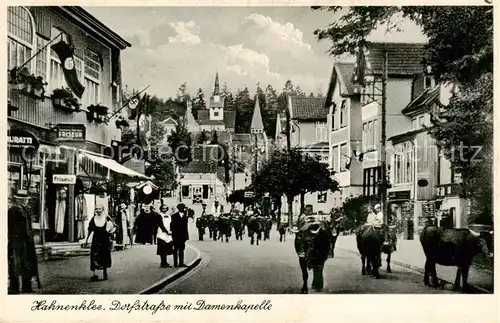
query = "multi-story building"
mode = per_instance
[
  {"x": 420, "y": 172},
  {"x": 309, "y": 133},
  {"x": 344, "y": 132},
  {"x": 62, "y": 129}
]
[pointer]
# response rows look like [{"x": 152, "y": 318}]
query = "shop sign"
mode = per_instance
[
  {"x": 22, "y": 140},
  {"x": 248, "y": 194},
  {"x": 400, "y": 195},
  {"x": 64, "y": 179},
  {"x": 70, "y": 132}
]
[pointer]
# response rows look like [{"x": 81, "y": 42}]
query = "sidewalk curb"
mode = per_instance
[
  {"x": 174, "y": 276},
  {"x": 421, "y": 270}
]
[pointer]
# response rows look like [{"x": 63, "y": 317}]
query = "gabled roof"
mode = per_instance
[
  {"x": 169, "y": 121},
  {"x": 229, "y": 118},
  {"x": 211, "y": 122},
  {"x": 343, "y": 73},
  {"x": 422, "y": 101},
  {"x": 404, "y": 59},
  {"x": 85, "y": 19},
  {"x": 307, "y": 108},
  {"x": 347, "y": 73},
  {"x": 188, "y": 116}
]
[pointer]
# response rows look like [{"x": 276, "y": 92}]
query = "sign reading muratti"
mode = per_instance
[{"x": 21, "y": 140}]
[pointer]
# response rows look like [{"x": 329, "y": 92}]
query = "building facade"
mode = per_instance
[
  {"x": 344, "y": 132},
  {"x": 309, "y": 133},
  {"x": 61, "y": 129}
]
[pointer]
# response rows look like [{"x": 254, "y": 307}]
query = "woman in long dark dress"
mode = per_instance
[
  {"x": 102, "y": 228},
  {"x": 144, "y": 226}
]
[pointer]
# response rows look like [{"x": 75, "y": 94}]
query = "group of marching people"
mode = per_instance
[{"x": 220, "y": 224}]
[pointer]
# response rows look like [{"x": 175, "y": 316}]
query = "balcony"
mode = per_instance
[{"x": 447, "y": 190}]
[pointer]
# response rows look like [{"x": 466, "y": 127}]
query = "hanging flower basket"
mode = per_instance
[
  {"x": 64, "y": 99},
  {"x": 97, "y": 113},
  {"x": 122, "y": 123},
  {"x": 27, "y": 83}
]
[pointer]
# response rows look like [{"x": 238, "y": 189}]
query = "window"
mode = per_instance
[
  {"x": 20, "y": 37},
  {"x": 321, "y": 132},
  {"x": 344, "y": 157},
  {"x": 185, "y": 191},
  {"x": 365, "y": 136},
  {"x": 414, "y": 123},
  {"x": 322, "y": 197},
  {"x": 403, "y": 163},
  {"x": 41, "y": 59},
  {"x": 343, "y": 114},
  {"x": 421, "y": 121},
  {"x": 428, "y": 81},
  {"x": 92, "y": 77},
  {"x": 376, "y": 134},
  {"x": 216, "y": 113},
  {"x": 335, "y": 157}
]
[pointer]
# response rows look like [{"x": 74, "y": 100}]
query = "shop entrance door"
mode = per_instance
[{"x": 197, "y": 194}]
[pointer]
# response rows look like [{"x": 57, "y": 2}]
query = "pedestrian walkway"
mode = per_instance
[
  {"x": 133, "y": 270},
  {"x": 410, "y": 254}
]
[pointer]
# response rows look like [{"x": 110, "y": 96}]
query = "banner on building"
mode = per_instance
[{"x": 65, "y": 53}]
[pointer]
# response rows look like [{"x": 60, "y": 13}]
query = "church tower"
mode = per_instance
[
  {"x": 216, "y": 102},
  {"x": 257, "y": 125},
  {"x": 189, "y": 120}
]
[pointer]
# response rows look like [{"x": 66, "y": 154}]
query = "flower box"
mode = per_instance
[
  {"x": 27, "y": 83},
  {"x": 97, "y": 113},
  {"x": 64, "y": 99}
]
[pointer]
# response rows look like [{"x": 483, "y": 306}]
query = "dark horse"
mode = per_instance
[
  {"x": 212, "y": 227},
  {"x": 371, "y": 243},
  {"x": 314, "y": 244},
  {"x": 453, "y": 247},
  {"x": 255, "y": 228}
]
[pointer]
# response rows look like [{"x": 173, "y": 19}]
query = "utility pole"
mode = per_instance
[
  {"x": 234, "y": 168},
  {"x": 255, "y": 165},
  {"x": 289, "y": 197},
  {"x": 383, "y": 188}
]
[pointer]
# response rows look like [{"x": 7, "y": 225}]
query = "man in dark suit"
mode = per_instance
[
  {"x": 21, "y": 247},
  {"x": 179, "y": 229}
]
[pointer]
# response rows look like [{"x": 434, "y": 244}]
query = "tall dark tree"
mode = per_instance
[
  {"x": 180, "y": 144},
  {"x": 183, "y": 93},
  {"x": 198, "y": 103},
  {"x": 244, "y": 104},
  {"x": 460, "y": 50}
]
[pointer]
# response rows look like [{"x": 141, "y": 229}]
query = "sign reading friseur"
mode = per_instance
[
  {"x": 70, "y": 132},
  {"x": 64, "y": 179}
]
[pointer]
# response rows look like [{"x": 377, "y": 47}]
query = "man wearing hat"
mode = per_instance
[
  {"x": 180, "y": 234},
  {"x": 21, "y": 246}
]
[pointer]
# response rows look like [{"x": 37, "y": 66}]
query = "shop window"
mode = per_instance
[
  {"x": 185, "y": 191},
  {"x": 92, "y": 77}
]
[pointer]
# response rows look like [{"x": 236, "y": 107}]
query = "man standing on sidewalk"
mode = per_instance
[
  {"x": 21, "y": 247},
  {"x": 180, "y": 234}
]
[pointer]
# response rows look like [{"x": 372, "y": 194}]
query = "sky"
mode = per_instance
[{"x": 245, "y": 45}]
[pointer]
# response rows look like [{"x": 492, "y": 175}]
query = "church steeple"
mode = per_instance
[
  {"x": 257, "y": 125},
  {"x": 189, "y": 120},
  {"x": 216, "y": 85}
]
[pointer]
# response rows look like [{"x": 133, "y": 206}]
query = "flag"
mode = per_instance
[{"x": 65, "y": 53}]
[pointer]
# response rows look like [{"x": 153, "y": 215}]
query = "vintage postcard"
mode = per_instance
[{"x": 248, "y": 162}]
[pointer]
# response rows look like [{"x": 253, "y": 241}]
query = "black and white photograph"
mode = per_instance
[{"x": 197, "y": 150}]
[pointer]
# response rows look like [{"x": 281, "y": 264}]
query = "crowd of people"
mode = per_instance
[{"x": 167, "y": 230}]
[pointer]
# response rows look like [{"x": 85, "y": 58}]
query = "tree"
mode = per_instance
[
  {"x": 293, "y": 175},
  {"x": 460, "y": 50},
  {"x": 198, "y": 103},
  {"x": 243, "y": 104},
  {"x": 202, "y": 137},
  {"x": 215, "y": 139},
  {"x": 270, "y": 111},
  {"x": 180, "y": 144},
  {"x": 183, "y": 94}
]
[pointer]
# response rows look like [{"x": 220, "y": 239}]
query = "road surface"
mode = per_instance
[{"x": 272, "y": 268}]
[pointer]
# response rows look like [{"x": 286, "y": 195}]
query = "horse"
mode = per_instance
[{"x": 255, "y": 229}]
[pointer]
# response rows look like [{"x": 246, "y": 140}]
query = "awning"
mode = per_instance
[
  {"x": 142, "y": 184},
  {"x": 114, "y": 166}
]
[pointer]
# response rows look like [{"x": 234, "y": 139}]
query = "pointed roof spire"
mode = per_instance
[
  {"x": 216, "y": 85},
  {"x": 188, "y": 116},
  {"x": 257, "y": 124}
]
